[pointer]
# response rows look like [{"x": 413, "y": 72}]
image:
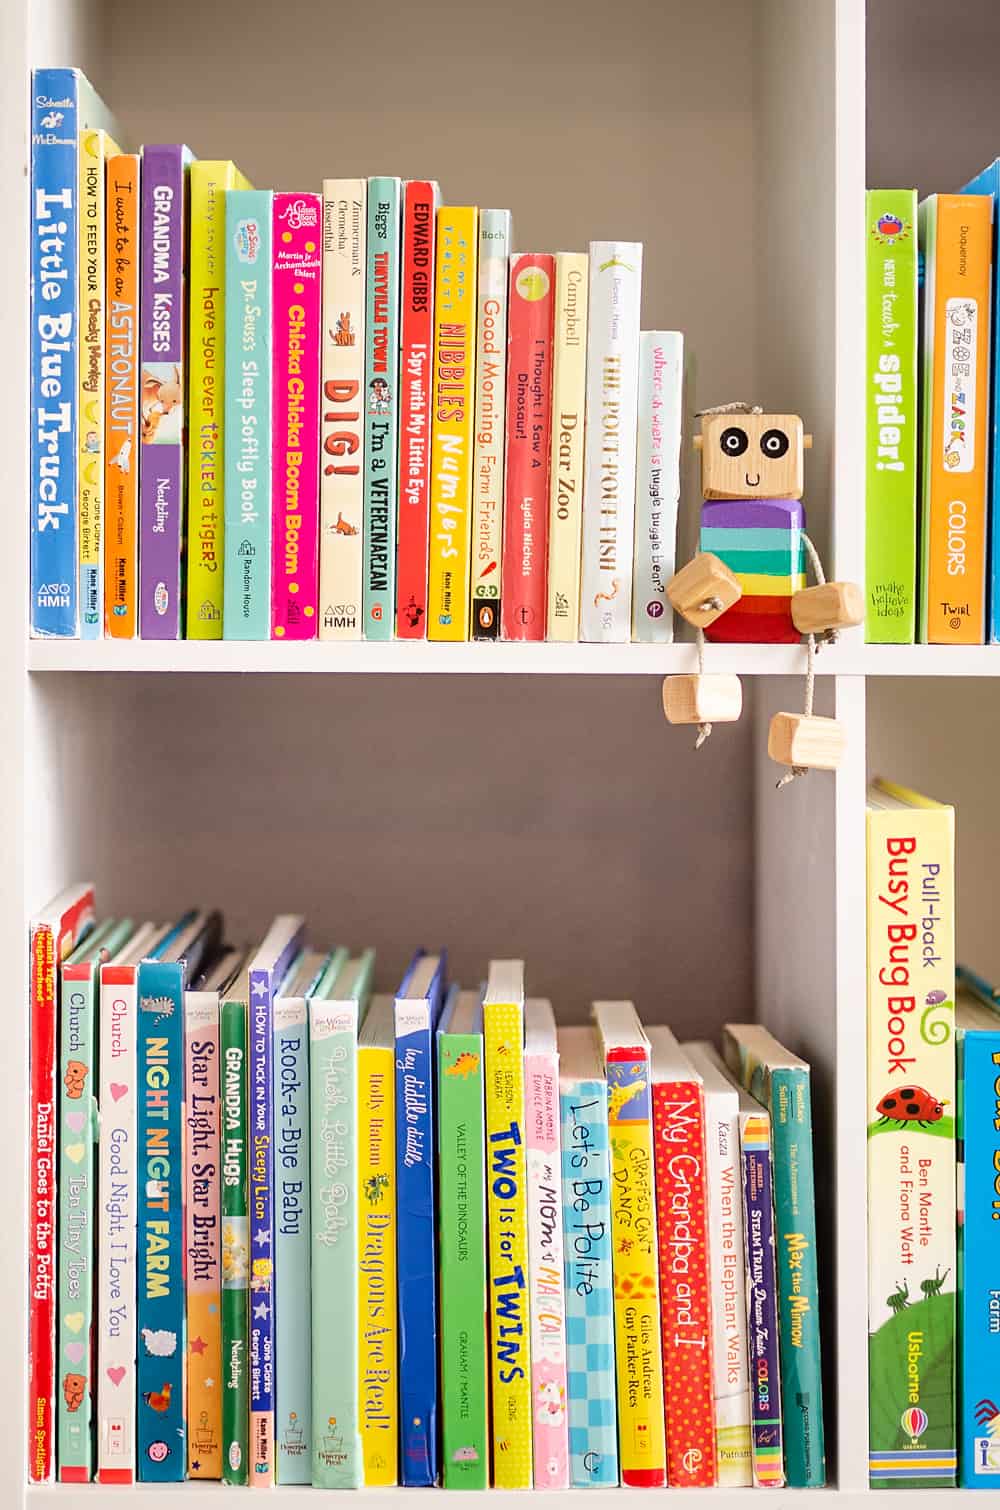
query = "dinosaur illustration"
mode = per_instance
[{"x": 464, "y": 1065}]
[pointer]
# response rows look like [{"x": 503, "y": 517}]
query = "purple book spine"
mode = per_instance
[
  {"x": 762, "y": 1304},
  {"x": 162, "y": 389}
]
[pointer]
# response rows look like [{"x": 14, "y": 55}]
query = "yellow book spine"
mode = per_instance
[
  {"x": 377, "y": 1371},
  {"x": 569, "y": 402},
  {"x": 638, "y": 1358},
  {"x": 206, "y": 395},
  {"x": 453, "y": 404},
  {"x": 95, "y": 148}
]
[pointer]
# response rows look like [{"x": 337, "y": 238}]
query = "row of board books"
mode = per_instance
[
  {"x": 933, "y": 423},
  {"x": 339, "y": 415},
  {"x": 352, "y": 1239},
  {"x": 933, "y": 1157}
]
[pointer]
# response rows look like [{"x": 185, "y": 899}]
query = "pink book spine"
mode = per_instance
[
  {"x": 295, "y": 293},
  {"x": 546, "y": 1285}
]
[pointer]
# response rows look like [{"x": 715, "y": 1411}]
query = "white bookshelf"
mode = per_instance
[{"x": 539, "y": 815}]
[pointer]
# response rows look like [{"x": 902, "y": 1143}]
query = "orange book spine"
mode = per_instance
[
  {"x": 121, "y": 455},
  {"x": 956, "y": 235}
]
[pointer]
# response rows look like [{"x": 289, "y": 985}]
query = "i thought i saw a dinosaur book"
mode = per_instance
[{"x": 911, "y": 1139}]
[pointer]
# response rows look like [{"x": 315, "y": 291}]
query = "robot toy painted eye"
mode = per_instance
[{"x": 733, "y": 441}]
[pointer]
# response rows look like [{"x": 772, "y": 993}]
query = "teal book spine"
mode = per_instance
[
  {"x": 333, "y": 1040},
  {"x": 381, "y": 408},
  {"x": 246, "y": 607},
  {"x": 293, "y": 1305}
]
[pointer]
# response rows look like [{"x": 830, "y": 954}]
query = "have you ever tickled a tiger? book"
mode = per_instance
[
  {"x": 337, "y": 1007},
  {"x": 417, "y": 1009},
  {"x": 911, "y": 1139},
  {"x": 162, "y": 1360},
  {"x": 638, "y": 1356}
]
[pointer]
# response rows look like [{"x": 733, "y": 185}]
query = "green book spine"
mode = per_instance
[
  {"x": 891, "y": 427},
  {"x": 462, "y": 1259},
  {"x": 235, "y": 1245}
]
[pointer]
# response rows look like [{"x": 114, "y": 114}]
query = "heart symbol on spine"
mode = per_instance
[
  {"x": 116, "y": 1375},
  {"x": 75, "y": 1321},
  {"x": 75, "y": 1352},
  {"x": 117, "y": 1090},
  {"x": 75, "y": 1151},
  {"x": 75, "y": 1121}
]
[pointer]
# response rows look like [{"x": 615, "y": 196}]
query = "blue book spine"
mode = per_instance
[
  {"x": 54, "y": 212},
  {"x": 979, "y": 1259},
  {"x": 988, "y": 182},
  {"x": 292, "y": 1241},
  {"x": 381, "y": 407},
  {"x": 160, "y": 1427},
  {"x": 416, "y": 1239},
  {"x": 246, "y": 582},
  {"x": 590, "y": 1322}
]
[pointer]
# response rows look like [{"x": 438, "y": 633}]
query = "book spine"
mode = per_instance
[
  {"x": 979, "y": 1349},
  {"x": 118, "y": 1182},
  {"x": 956, "y": 237},
  {"x": 685, "y": 1308},
  {"x": 336, "y": 1448},
  {"x": 507, "y": 1213},
  {"x": 162, "y": 391},
  {"x": 381, "y": 408},
  {"x": 610, "y": 441},
  {"x": 490, "y": 424},
  {"x": 416, "y": 1256},
  {"x": 235, "y": 1245},
  {"x": 260, "y": 1198},
  {"x": 53, "y": 379},
  {"x": 95, "y": 147},
  {"x": 546, "y": 1281},
  {"x": 416, "y": 303},
  {"x": 77, "y": 1128},
  {"x": 762, "y": 1301},
  {"x": 657, "y": 483},
  {"x": 911, "y": 1167},
  {"x": 638, "y": 1360},
  {"x": 292, "y": 1244},
  {"x": 590, "y": 1330},
  {"x": 452, "y": 415},
  {"x": 206, "y": 426},
  {"x": 462, "y": 1225},
  {"x": 569, "y": 397},
  {"x": 246, "y": 576},
  {"x": 295, "y": 292},
  {"x": 342, "y": 482},
  {"x": 529, "y": 429},
  {"x": 378, "y": 1374},
  {"x": 121, "y": 410},
  {"x": 798, "y": 1280},
  {"x": 728, "y": 1306},
  {"x": 202, "y": 1224},
  {"x": 891, "y": 431},
  {"x": 161, "y": 1350}
]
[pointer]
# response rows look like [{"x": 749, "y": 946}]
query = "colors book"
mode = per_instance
[
  {"x": 490, "y": 424},
  {"x": 378, "y": 1368},
  {"x": 462, "y": 1242}
]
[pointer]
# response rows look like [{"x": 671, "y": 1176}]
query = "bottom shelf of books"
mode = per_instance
[{"x": 322, "y": 1235}]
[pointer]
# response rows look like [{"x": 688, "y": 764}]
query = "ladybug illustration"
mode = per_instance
[{"x": 911, "y": 1104}]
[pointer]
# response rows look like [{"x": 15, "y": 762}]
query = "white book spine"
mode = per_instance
[
  {"x": 546, "y": 1278},
  {"x": 491, "y": 417},
  {"x": 657, "y": 483},
  {"x": 117, "y": 1212},
  {"x": 569, "y": 399},
  {"x": 729, "y": 1310},
  {"x": 614, "y": 300},
  {"x": 342, "y": 409}
]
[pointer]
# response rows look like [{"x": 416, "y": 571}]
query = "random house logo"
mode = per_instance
[
  {"x": 890, "y": 230},
  {"x": 300, "y": 214},
  {"x": 247, "y": 241}
]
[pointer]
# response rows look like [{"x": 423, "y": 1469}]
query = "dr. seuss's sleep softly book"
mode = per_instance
[{"x": 911, "y": 1139}]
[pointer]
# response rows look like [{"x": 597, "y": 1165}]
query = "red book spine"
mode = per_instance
[
  {"x": 685, "y": 1307},
  {"x": 49, "y": 942},
  {"x": 529, "y": 425},
  {"x": 416, "y": 352}
]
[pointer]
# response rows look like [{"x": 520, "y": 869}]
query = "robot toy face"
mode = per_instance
[{"x": 752, "y": 456}]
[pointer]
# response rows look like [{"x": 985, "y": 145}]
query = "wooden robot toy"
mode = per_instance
[{"x": 748, "y": 582}]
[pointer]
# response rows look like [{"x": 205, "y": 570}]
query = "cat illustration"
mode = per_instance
[{"x": 343, "y": 528}]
